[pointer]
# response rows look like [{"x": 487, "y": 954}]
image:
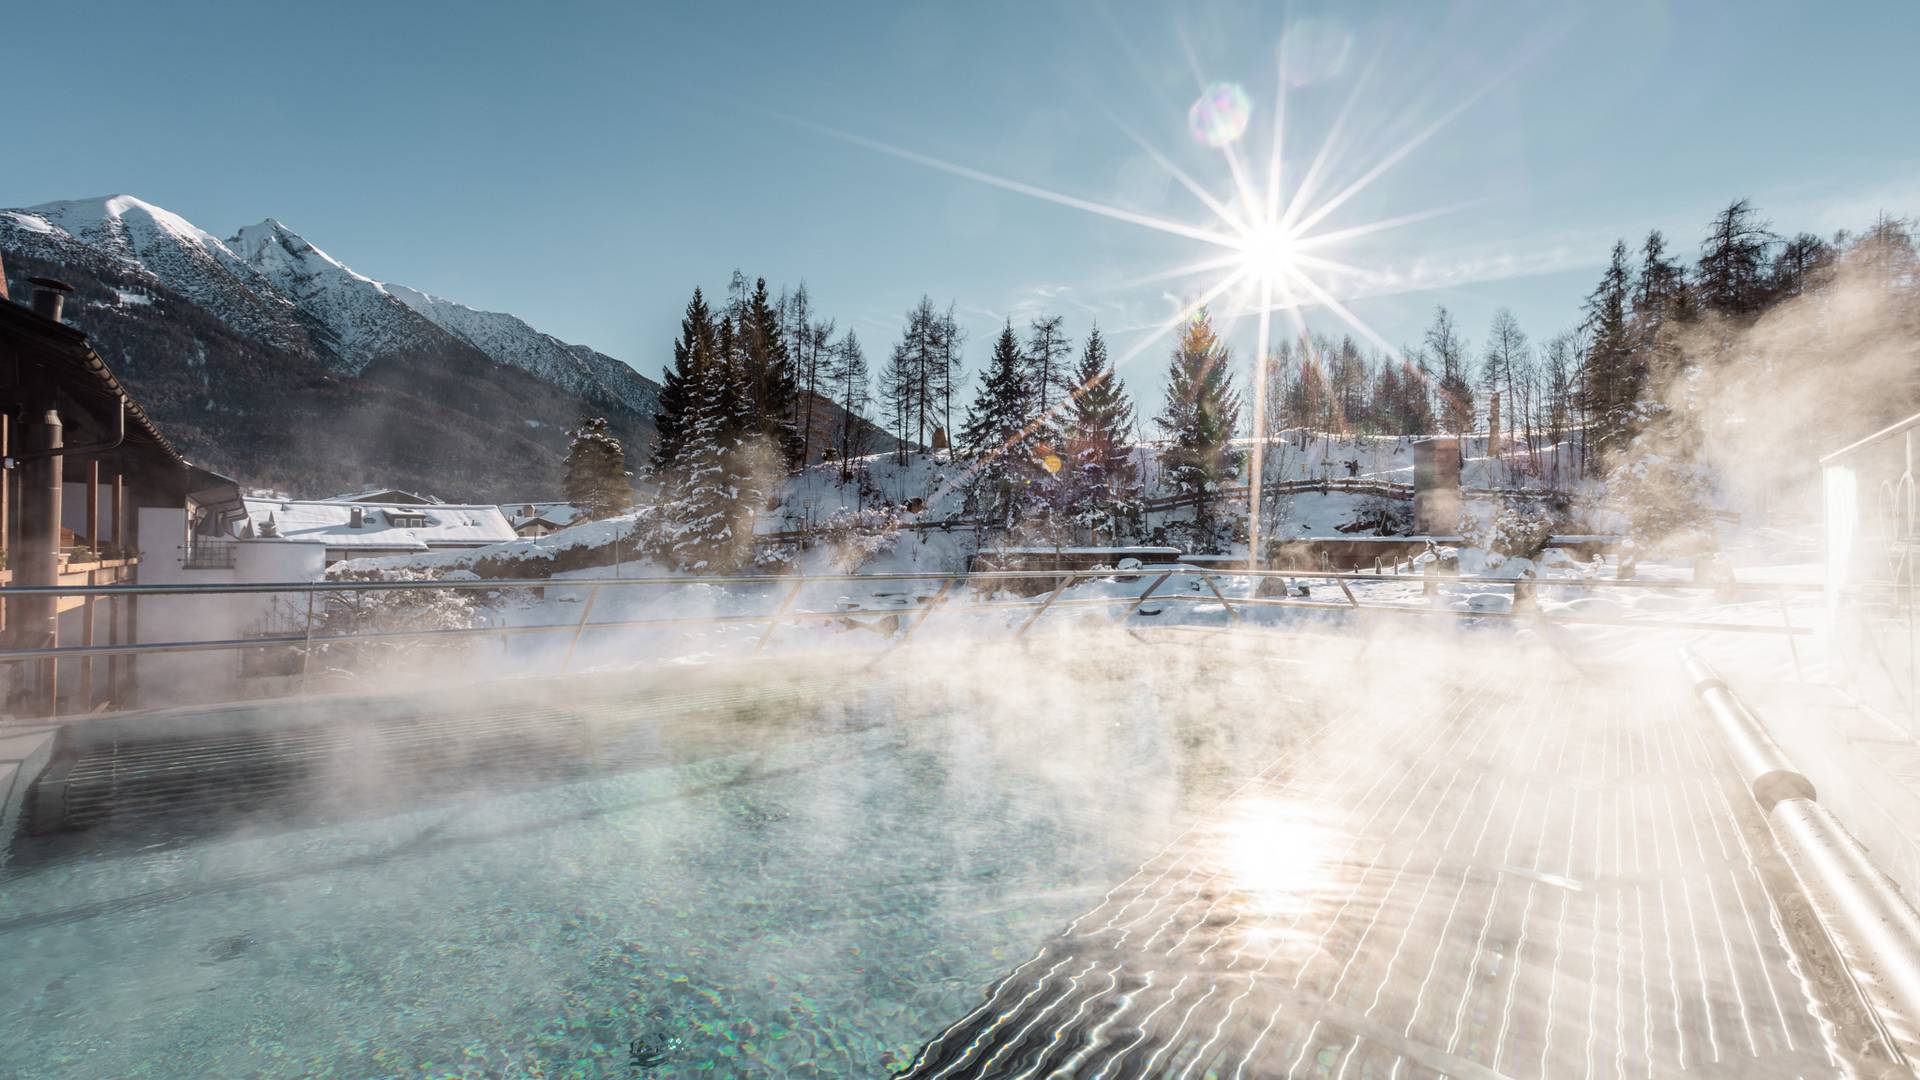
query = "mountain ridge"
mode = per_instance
[{"x": 275, "y": 319}]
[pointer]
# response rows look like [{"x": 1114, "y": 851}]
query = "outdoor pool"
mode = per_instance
[{"x": 813, "y": 883}]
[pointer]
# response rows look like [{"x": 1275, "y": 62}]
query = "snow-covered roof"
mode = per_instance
[
  {"x": 382, "y": 525},
  {"x": 384, "y": 495},
  {"x": 558, "y": 514}
]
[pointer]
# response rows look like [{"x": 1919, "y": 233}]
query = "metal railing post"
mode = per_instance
[
  {"x": 1157, "y": 582},
  {"x": 585, "y": 611},
  {"x": 1786, "y": 619},
  {"x": 941, "y": 595},
  {"x": 306, "y": 648},
  {"x": 1218, "y": 595},
  {"x": 1065, "y": 580},
  {"x": 1348, "y": 592},
  {"x": 774, "y": 619}
]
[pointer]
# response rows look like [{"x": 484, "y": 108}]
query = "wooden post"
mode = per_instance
[{"x": 118, "y": 517}]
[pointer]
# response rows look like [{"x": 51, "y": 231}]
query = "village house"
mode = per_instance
[
  {"x": 534, "y": 519},
  {"x": 365, "y": 530}
]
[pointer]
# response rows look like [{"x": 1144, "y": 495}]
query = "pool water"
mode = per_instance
[{"x": 810, "y": 889}]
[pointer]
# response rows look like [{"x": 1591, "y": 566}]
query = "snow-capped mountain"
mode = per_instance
[
  {"x": 266, "y": 356},
  {"x": 186, "y": 258},
  {"x": 359, "y": 320},
  {"x": 273, "y": 285},
  {"x": 510, "y": 341}
]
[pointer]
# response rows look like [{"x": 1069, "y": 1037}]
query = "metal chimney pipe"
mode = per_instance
[{"x": 49, "y": 296}]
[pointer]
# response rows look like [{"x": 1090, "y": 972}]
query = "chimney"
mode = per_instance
[
  {"x": 356, "y": 518},
  {"x": 49, "y": 296}
]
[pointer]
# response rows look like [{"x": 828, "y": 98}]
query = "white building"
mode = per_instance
[{"x": 358, "y": 530}]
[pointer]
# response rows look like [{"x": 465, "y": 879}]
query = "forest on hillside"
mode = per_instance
[{"x": 1761, "y": 340}]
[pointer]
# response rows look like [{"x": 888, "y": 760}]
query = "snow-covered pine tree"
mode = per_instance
[
  {"x": 697, "y": 343},
  {"x": 997, "y": 437},
  {"x": 1103, "y": 475},
  {"x": 772, "y": 389},
  {"x": 702, "y": 530},
  {"x": 597, "y": 480},
  {"x": 1201, "y": 414}
]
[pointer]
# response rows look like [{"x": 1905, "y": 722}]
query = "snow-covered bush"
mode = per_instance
[
  {"x": 1666, "y": 502},
  {"x": 1519, "y": 528},
  {"x": 350, "y": 614},
  {"x": 854, "y": 537}
]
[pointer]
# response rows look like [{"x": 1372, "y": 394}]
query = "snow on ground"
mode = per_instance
[{"x": 647, "y": 623}]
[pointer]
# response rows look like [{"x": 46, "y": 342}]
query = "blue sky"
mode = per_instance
[{"x": 585, "y": 165}]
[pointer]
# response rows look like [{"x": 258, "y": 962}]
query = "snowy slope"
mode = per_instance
[
  {"x": 508, "y": 340},
  {"x": 186, "y": 258}
]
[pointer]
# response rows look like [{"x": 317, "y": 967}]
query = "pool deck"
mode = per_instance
[{"x": 1528, "y": 877}]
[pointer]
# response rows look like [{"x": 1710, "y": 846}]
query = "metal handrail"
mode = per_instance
[
  {"x": 490, "y": 584},
  {"x": 1882, "y": 435},
  {"x": 1059, "y": 578}
]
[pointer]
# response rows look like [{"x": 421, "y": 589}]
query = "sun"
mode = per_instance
[{"x": 1267, "y": 255}]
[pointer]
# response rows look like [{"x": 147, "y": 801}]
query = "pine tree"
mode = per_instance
[
  {"x": 697, "y": 344},
  {"x": 701, "y": 531},
  {"x": 772, "y": 391},
  {"x": 597, "y": 480},
  {"x": 1103, "y": 475},
  {"x": 1201, "y": 414},
  {"x": 999, "y": 437},
  {"x": 1612, "y": 373}
]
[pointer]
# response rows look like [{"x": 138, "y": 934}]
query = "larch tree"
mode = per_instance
[
  {"x": 1048, "y": 353},
  {"x": 1731, "y": 273},
  {"x": 1448, "y": 351},
  {"x": 849, "y": 380}
]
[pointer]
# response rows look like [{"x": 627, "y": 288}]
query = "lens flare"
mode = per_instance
[{"x": 1220, "y": 117}]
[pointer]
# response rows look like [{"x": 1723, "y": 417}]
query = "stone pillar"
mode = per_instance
[{"x": 1436, "y": 487}]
